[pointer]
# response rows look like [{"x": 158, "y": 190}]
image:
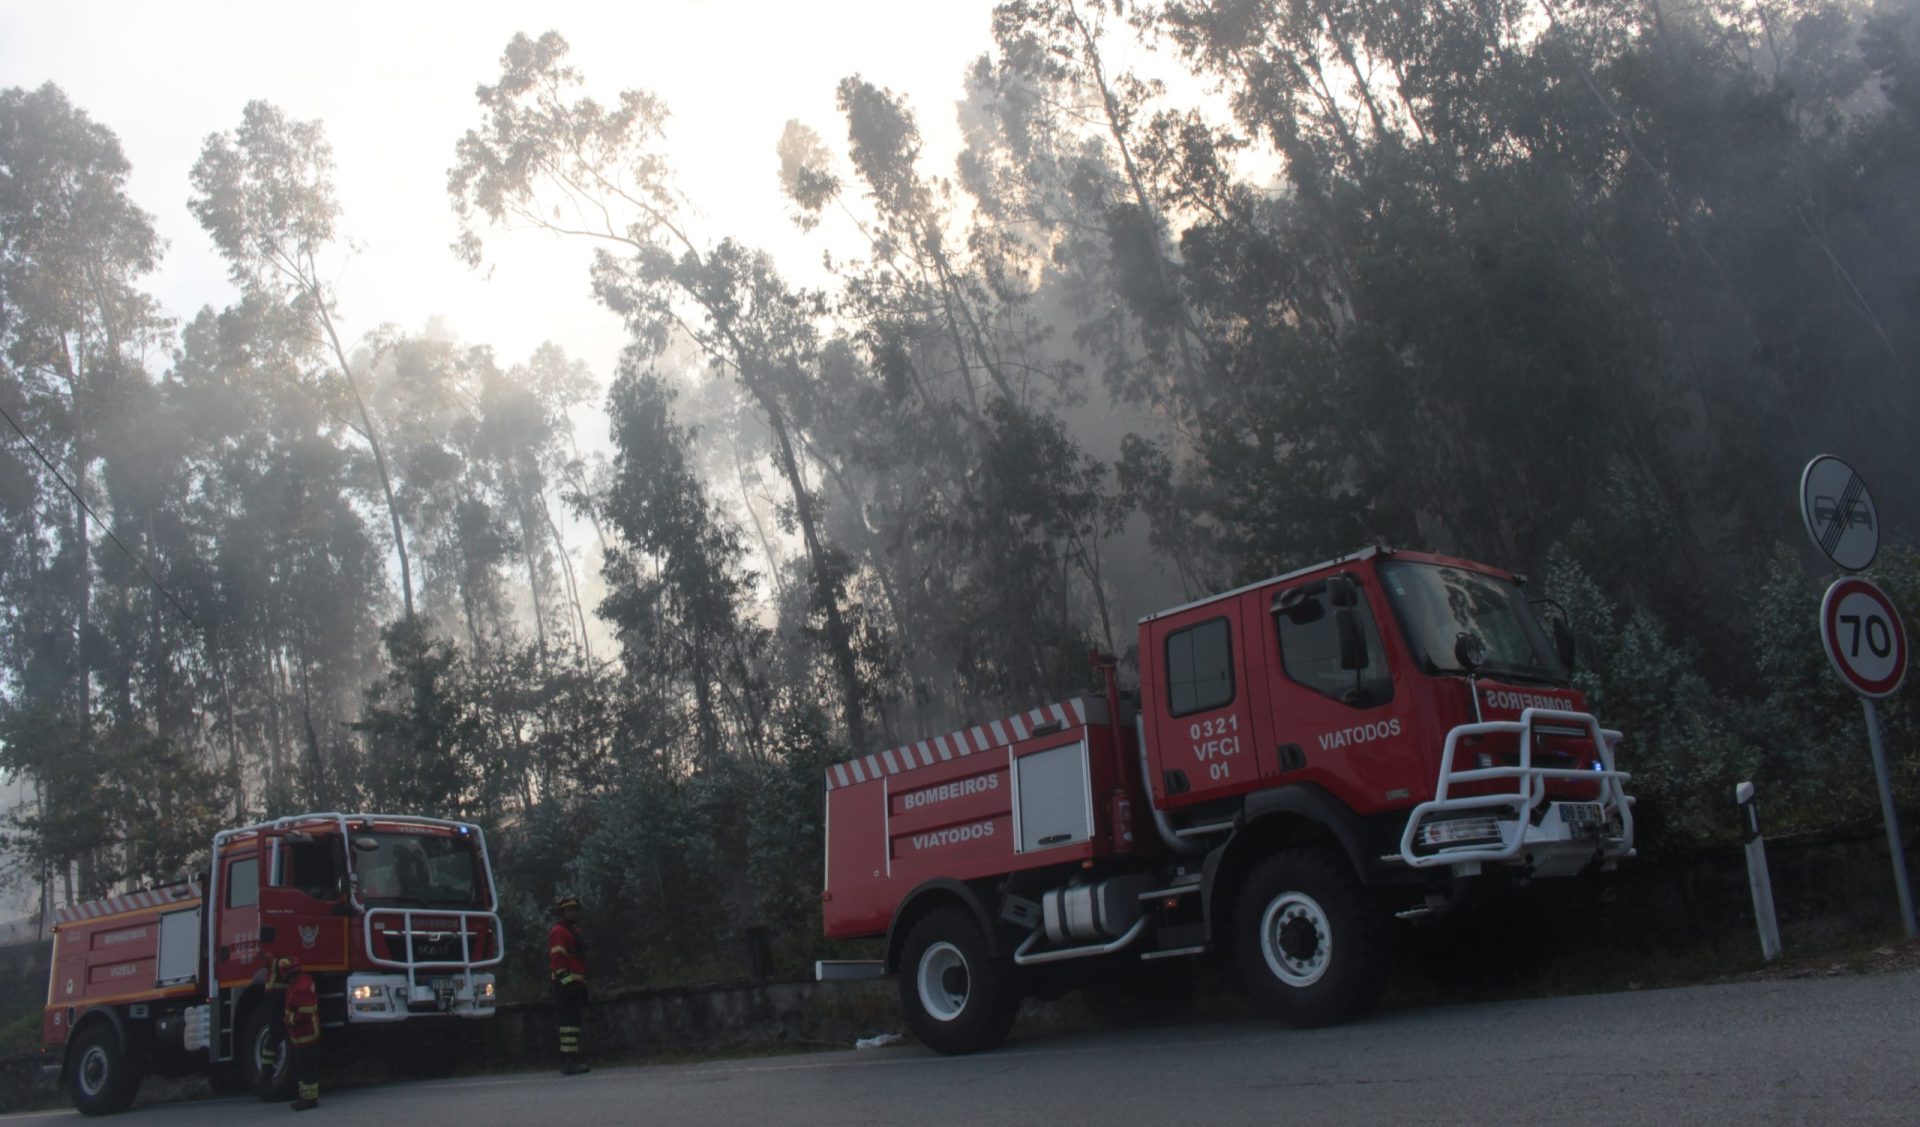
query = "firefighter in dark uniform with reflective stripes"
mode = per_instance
[
  {"x": 303, "y": 1030},
  {"x": 567, "y": 967}
]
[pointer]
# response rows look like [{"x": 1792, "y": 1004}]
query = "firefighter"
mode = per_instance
[
  {"x": 567, "y": 967},
  {"x": 303, "y": 1030}
]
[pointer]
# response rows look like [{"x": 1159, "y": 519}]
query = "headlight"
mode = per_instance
[
  {"x": 1459, "y": 831},
  {"x": 486, "y": 990},
  {"x": 362, "y": 993}
]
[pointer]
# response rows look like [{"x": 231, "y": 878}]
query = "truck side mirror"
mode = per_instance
[
  {"x": 1353, "y": 647},
  {"x": 1563, "y": 642},
  {"x": 1341, "y": 591},
  {"x": 1469, "y": 651}
]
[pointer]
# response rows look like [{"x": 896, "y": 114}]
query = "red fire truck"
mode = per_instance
[
  {"x": 1383, "y": 734},
  {"x": 394, "y": 917}
]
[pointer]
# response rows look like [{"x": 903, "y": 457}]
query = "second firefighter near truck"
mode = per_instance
[
  {"x": 567, "y": 967},
  {"x": 302, "y": 1019}
]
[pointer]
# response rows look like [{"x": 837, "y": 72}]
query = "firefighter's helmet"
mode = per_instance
[
  {"x": 285, "y": 967},
  {"x": 561, "y": 905}
]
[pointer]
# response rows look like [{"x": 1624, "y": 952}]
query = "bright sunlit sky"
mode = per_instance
[{"x": 393, "y": 83}]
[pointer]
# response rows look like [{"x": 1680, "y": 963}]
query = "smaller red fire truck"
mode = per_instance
[
  {"x": 1384, "y": 734},
  {"x": 393, "y": 916}
]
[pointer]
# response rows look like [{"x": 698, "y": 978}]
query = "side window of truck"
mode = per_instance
[
  {"x": 243, "y": 883},
  {"x": 310, "y": 867},
  {"x": 1199, "y": 667},
  {"x": 1310, "y": 653}
]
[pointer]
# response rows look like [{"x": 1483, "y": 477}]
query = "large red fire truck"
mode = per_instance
[
  {"x": 394, "y": 917},
  {"x": 1378, "y": 735}
]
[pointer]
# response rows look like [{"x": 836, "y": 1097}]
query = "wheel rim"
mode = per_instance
[
  {"x": 944, "y": 981},
  {"x": 94, "y": 1069},
  {"x": 1296, "y": 939},
  {"x": 270, "y": 1075}
]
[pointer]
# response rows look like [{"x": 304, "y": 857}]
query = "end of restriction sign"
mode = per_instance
[
  {"x": 1838, "y": 513},
  {"x": 1863, "y": 637}
]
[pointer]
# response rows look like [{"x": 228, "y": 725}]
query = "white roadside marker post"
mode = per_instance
[{"x": 1758, "y": 881}]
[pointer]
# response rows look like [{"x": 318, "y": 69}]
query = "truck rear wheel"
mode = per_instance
[
  {"x": 103, "y": 1074},
  {"x": 955, "y": 996},
  {"x": 268, "y": 1081},
  {"x": 1310, "y": 946}
]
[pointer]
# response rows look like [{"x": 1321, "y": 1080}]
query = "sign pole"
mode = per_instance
[{"x": 1893, "y": 820}]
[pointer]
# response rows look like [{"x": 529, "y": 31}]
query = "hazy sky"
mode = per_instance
[{"x": 393, "y": 82}]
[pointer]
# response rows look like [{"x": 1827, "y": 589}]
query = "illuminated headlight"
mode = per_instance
[
  {"x": 362, "y": 993},
  {"x": 486, "y": 990},
  {"x": 1459, "y": 831}
]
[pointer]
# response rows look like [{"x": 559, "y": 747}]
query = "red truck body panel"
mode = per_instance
[
  {"x": 109, "y": 950},
  {"x": 1033, "y": 789}
]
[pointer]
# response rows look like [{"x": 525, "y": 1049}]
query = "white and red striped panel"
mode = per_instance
[
  {"x": 1075, "y": 713},
  {"x": 114, "y": 905}
]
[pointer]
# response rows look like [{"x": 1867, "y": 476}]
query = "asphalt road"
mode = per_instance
[{"x": 1799, "y": 1051}]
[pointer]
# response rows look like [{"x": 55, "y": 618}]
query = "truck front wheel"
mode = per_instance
[
  {"x": 104, "y": 1075},
  {"x": 270, "y": 1079},
  {"x": 955, "y": 996},
  {"x": 1310, "y": 945}
]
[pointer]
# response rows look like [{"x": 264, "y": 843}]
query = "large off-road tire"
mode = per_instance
[
  {"x": 275, "y": 1083},
  {"x": 1310, "y": 945},
  {"x": 955, "y": 997},
  {"x": 103, "y": 1074}
]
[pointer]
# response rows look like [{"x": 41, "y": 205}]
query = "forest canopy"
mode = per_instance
[{"x": 1573, "y": 287}]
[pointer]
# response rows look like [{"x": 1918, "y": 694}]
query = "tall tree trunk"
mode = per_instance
[
  {"x": 373, "y": 440},
  {"x": 826, "y": 594}
]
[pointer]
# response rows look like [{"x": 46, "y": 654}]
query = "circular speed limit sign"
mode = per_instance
[{"x": 1863, "y": 636}]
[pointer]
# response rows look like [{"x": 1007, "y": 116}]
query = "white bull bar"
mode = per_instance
[
  {"x": 468, "y": 925},
  {"x": 1555, "y": 834}
]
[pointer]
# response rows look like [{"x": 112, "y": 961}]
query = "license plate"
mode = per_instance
[{"x": 1582, "y": 817}]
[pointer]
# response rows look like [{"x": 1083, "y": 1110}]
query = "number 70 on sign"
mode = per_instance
[{"x": 1863, "y": 636}]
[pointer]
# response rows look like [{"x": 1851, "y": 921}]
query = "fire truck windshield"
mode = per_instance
[
  {"x": 1435, "y": 605},
  {"x": 425, "y": 870}
]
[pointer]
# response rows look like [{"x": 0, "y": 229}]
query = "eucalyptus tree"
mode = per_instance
[
  {"x": 287, "y": 582},
  {"x": 1095, "y": 161},
  {"x": 678, "y": 594},
  {"x": 581, "y": 169},
  {"x": 264, "y": 193},
  {"x": 75, "y": 331},
  {"x": 429, "y": 391},
  {"x": 971, "y": 530}
]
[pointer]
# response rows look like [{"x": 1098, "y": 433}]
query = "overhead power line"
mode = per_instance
[{"x": 57, "y": 476}]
